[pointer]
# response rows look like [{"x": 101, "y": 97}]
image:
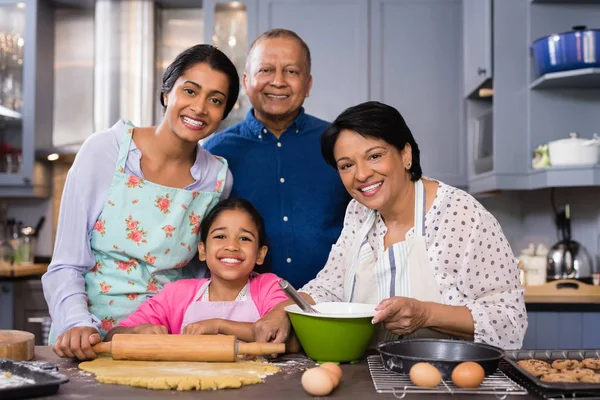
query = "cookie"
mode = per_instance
[
  {"x": 558, "y": 377},
  {"x": 565, "y": 364},
  {"x": 533, "y": 363},
  {"x": 590, "y": 379},
  {"x": 579, "y": 372},
  {"x": 591, "y": 363}
]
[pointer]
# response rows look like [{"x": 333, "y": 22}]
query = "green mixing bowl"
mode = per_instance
[{"x": 340, "y": 333}]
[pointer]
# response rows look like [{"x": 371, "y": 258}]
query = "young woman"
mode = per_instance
[{"x": 132, "y": 204}]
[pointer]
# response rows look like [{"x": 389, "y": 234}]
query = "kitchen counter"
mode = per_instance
[
  {"x": 356, "y": 384},
  {"x": 21, "y": 271},
  {"x": 563, "y": 295}
]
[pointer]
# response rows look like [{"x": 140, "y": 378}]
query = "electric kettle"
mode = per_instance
[{"x": 568, "y": 259}]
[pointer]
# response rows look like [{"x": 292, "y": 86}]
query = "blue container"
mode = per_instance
[{"x": 566, "y": 51}]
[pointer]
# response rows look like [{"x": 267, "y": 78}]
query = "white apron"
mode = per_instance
[{"x": 401, "y": 270}]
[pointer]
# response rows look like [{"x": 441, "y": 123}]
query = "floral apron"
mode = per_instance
[
  {"x": 402, "y": 270},
  {"x": 143, "y": 238}
]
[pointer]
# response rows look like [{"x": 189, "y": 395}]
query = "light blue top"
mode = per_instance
[{"x": 84, "y": 196}]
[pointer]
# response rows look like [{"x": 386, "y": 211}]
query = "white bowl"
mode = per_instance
[{"x": 338, "y": 310}]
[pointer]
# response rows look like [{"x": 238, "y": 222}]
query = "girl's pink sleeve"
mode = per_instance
[
  {"x": 156, "y": 310},
  {"x": 167, "y": 307},
  {"x": 270, "y": 292}
]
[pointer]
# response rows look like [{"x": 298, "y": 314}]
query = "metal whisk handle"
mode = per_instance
[{"x": 294, "y": 295}]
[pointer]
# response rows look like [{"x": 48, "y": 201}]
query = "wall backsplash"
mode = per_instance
[
  {"x": 30, "y": 210},
  {"x": 528, "y": 217}
]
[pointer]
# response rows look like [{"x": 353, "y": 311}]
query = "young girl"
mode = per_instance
[{"x": 232, "y": 242}]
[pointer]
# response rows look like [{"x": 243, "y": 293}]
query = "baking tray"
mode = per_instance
[
  {"x": 513, "y": 356},
  {"x": 38, "y": 379}
]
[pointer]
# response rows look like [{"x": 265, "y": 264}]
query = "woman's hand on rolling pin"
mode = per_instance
[
  {"x": 77, "y": 343},
  {"x": 402, "y": 315},
  {"x": 150, "y": 329},
  {"x": 206, "y": 327}
]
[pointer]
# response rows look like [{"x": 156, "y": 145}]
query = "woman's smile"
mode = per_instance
[
  {"x": 370, "y": 189},
  {"x": 194, "y": 124}
]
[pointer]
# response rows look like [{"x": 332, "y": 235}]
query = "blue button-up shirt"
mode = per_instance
[{"x": 301, "y": 198}]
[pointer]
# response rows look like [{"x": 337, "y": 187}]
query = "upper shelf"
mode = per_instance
[
  {"x": 567, "y": 1},
  {"x": 586, "y": 78},
  {"x": 588, "y": 175}
]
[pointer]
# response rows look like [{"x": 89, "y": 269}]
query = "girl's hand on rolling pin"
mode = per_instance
[
  {"x": 77, "y": 343},
  {"x": 206, "y": 327},
  {"x": 150, "y": 329}
]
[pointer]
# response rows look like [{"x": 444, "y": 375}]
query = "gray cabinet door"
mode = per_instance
[
  {"x": 336, "y": 32},
  {"x": 30, "y": 84},
  {"x": 416, "y": 63},
  {"x": 6, "y": 305},
  {"x": 477, "y": 43},
  {"x": 562, "y": 330}
]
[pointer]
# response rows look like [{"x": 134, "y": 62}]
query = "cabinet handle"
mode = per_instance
[
  {"x": 4, "y": 289},
  {"x": 481, "y": 71},
  {"x": 27, "y": 180}
]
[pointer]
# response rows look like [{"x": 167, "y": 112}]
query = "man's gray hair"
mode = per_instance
[{"x": 281, "y": 33}]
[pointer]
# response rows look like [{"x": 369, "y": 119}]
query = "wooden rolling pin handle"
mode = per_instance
[
  {"x": 258, "y": 348},
  {"x": 102, "y": 347}
]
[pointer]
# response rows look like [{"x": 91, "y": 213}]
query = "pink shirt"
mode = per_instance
[{"x": 168, "y": 306}]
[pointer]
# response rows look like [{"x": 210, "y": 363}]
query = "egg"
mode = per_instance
[
  {"x": 468, "y": 375},
  {"x": 317, "y": 381},
  {"x": 334, "y": 370},
  {"x": 425, "y": 375}
]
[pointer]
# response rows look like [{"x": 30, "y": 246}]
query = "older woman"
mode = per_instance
[{"x": 432, "y": 258}]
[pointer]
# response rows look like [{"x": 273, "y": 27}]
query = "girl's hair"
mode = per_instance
[
  {"x": 202, "y": 53},
  {"x": 234, "y": 204}
]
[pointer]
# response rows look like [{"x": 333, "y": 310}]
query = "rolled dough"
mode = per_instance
[{"x": 179, "y": 375}]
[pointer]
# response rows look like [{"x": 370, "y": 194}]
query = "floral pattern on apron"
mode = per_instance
[
  {"x": 144, "y": 236},
  {"x": 402, "y": 270}
]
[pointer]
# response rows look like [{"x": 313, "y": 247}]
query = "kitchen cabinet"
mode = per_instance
[
  {"x": 23, "y": 306},
  {"x": 477, "y": 44},
  {"x": 529, "y": 110},
  {"x": 421, "y": 77},
  {"x": 27, "y": 87},
  {"x": 6, "y": 305},
  {"x": 562, "y": 330}
]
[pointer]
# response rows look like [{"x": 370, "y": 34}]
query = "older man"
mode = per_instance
[{"x": 274, "y": 156}]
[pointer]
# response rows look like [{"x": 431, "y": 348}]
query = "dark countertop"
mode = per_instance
[{"x": 356, "y": 384}]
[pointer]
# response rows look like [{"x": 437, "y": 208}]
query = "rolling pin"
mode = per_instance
[{"x": 182, "y": 347}]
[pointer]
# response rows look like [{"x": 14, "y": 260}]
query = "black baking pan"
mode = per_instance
[
  {"x": 28, "y": 379},
  {"x": 401, "y": 355},
  {"x": 578, "y": 388}
]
